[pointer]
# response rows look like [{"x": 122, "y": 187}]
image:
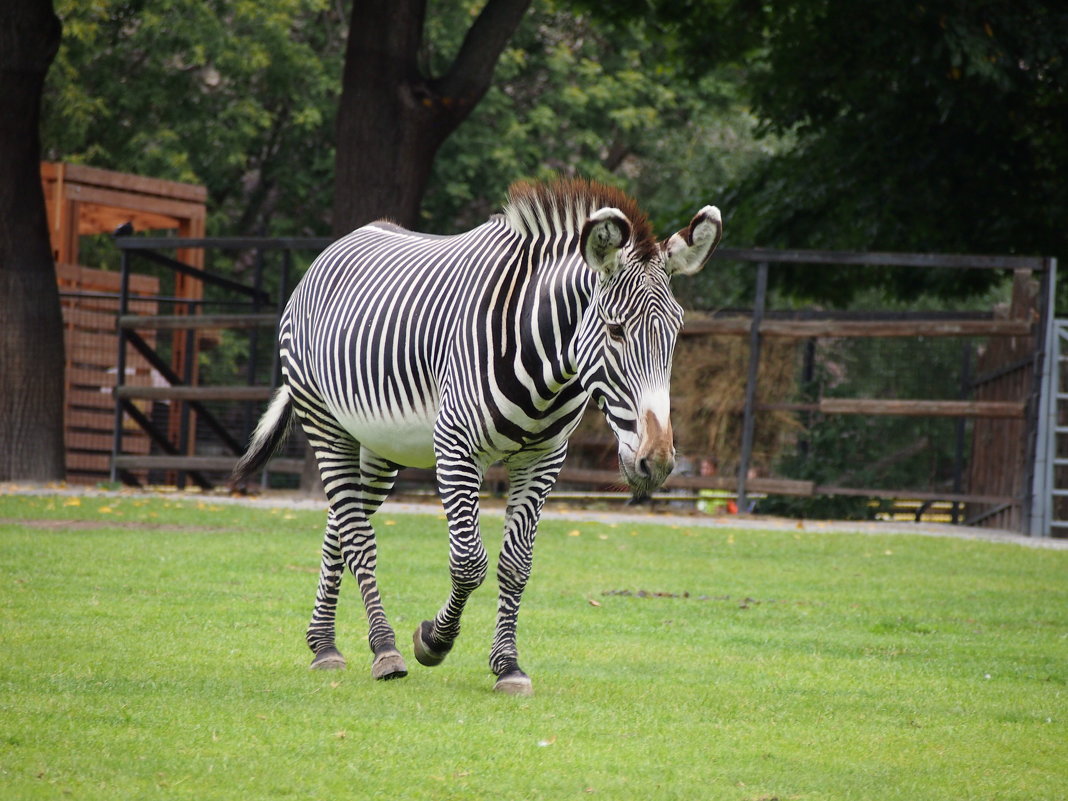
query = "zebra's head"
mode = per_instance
[{"x": 628, "y": 334}]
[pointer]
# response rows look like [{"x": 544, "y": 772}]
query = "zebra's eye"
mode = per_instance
[{"x": 615, "y": 330}]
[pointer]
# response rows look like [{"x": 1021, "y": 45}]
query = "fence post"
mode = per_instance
[
  {"x": 1042, "y": 414},
  {"x": 961, "y": 428},
  {"x": 749, "y": 412},
  {"x": 120, "y": 361}
]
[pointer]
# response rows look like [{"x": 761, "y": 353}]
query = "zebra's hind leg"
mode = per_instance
[
  {"x": 458, "y": 485},
  {"x": 530, "y": 484},
  {"x": 360, "y": 552},
  {"x": 320, "y": 634},
  {"x": 356, "y": 484}
]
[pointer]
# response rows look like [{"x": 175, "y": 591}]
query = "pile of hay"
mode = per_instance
[{"x": 708, "y": 398}]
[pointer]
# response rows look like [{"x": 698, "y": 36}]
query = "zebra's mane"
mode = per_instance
[{"x": 564, "y": 205}]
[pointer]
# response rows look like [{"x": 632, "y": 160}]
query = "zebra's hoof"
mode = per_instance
[
  {"x": 424, "y": 653},
  {"x": 328, "y": 659},
  {"x": 515, "y": 683},
  {"x": 389, "y": 665}
]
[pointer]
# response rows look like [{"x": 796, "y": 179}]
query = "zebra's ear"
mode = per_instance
[
  {"x": 687, "y": 251},
  {"x": 603, "y": 234}
]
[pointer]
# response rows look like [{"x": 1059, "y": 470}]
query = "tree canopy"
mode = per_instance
[
  {"x": 932, "y": 126},
  {"x": 240, "y": 96}
]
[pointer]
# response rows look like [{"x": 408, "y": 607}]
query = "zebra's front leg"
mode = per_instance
[
  {"x": 530, "y": 484},
  {"x": 458, "y": 485}
]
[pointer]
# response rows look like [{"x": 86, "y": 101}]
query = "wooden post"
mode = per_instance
[{"x": 749, "y": 413}]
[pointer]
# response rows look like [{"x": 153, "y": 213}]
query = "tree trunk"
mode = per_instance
[
  {"x": 31, "y": 326},
  {"x": 392, "y": 119}
]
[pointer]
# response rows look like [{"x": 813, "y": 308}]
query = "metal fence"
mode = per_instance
[{"x": 1013, "y": 419}]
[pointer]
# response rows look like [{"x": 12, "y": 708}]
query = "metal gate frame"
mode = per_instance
[{"x": 1048, "y": 427}]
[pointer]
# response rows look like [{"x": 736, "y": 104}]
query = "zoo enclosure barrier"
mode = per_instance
[
  {"x": 188, "y": 402},
  {"x": 1005, "y": 476},
  {"x": 1009, "y": 499}
]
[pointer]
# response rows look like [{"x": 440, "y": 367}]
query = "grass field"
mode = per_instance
[{"x": 153, "y": 648}]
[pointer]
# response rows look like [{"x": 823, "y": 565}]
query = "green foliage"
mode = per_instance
[
  {"x": 170, "y": 662},
  {"x": 920, "y": 127},
  {"x": 237, "y": 95},
  {"x": 575, "y": 96}
]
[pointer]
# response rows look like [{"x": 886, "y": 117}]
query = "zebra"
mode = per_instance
[{"x": 404, "y": 349}]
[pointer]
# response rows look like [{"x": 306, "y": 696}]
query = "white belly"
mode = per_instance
[{"x": 408, "y": 440}]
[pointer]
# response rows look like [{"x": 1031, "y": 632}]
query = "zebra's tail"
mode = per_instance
[{"x": 270, "y": 433}]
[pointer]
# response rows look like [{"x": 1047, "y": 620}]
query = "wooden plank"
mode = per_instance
[
  {"x": 90, "y": 377},
  {"x": 95, "y": 218},
  {"x": 612, "y": 478},
  {"x": 90, "y": 319},
  {"x": 215, "y": 464},
  {"x": 88, "y": 462},
  {"x": 153, "y": 204},
  {"x": 922, "y": 408},
  {"x": 73, "y": 276},
  {"x": 95, "y": 441},
  {"x": 186, "y": 393},
  {"x": 194, "y": 321},
  {"x": 98, "y": 419},
  {"x": 102, "y": 377},
  {"x": 106, "y": 344},
  {"x": 806, "y": 329},
  {"x": 906, "y": 408},
  {"x": 92, "y": 280},
  {"x": 82, "y": 354},
  {"x": 863, "y": 259},
  {"x": 95, "y": 176},
  {"x": 93, "y": 398},
  {"x": 916, "y": 495}
]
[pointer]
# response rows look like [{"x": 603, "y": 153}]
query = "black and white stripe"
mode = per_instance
[{"x": 403, "y": 349}]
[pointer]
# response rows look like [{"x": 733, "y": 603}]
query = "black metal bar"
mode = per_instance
[
  {"x": 224, "y": 242},
  {"x": 808, "y": 393},
  {"x": 161, "y": 440},
  {"x": 283, "y": 299},
  {"x": 758, "y": 255},
  {"x": 979, "y": 518},
  {"x": 748, "y": 420},
  {"x": 173, "y": 378},
  {"x": 200, "y": 275},
  {"x": 993, "y": 375},
  {"x": 120, "y": 364},
  {"x": 961, "y": 426},
  {"x": 184, "y": 421}
]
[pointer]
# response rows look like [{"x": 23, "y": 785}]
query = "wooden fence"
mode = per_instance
[{"x": 90, "y": 304}]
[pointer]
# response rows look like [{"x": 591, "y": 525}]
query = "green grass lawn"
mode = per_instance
[{"x": 153, "y": 648}]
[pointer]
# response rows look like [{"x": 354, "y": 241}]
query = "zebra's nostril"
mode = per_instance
[{"x": 644, "y": 468}]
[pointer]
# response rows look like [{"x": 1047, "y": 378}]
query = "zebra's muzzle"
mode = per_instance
[{"x": 649, "y": 467}]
